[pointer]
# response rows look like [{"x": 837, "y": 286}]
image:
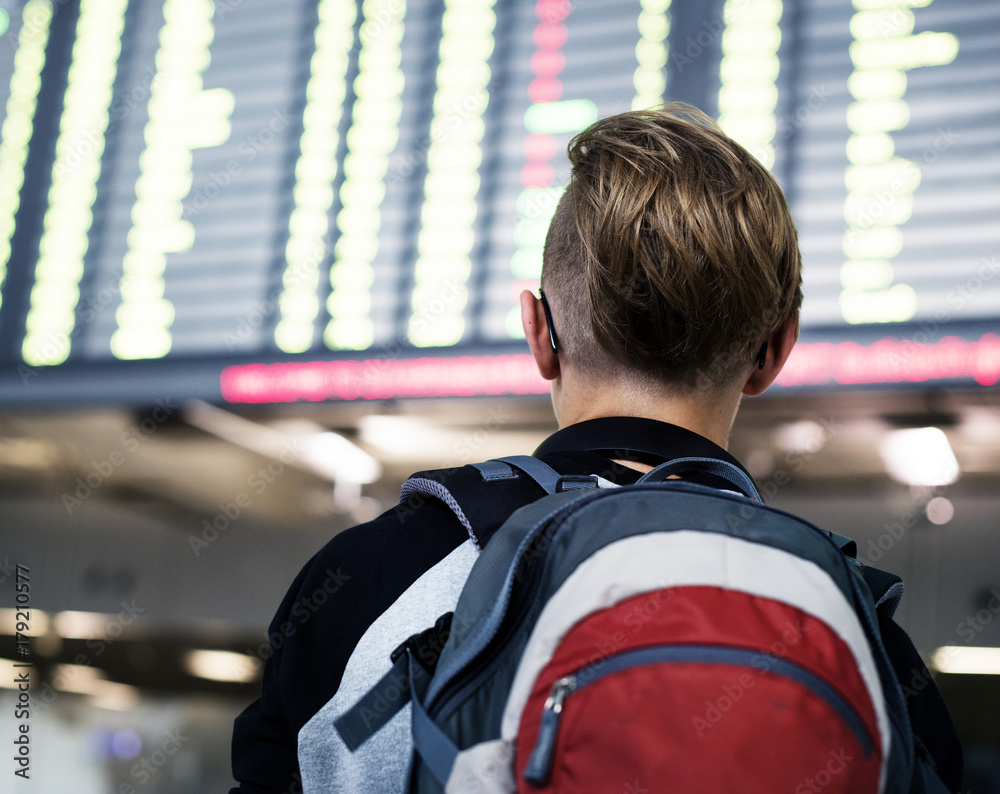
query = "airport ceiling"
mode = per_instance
[{"x": 158, "y": 460}]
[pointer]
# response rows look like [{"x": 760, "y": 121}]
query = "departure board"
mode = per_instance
[
  {"x": 898, "y": 222},
  {"x": 248, "y": 200},
  {"x": 25, "y": 33}
]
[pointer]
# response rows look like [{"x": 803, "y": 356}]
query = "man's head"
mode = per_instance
[{"x": 672, "y": 257}]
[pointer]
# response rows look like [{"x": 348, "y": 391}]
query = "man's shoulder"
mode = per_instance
[
  {"x": 427, "y": 512},
  {"x": 374, "y": 562},
  {"x": 360, "y": 572},
  {"x": 409, "y": 536}
]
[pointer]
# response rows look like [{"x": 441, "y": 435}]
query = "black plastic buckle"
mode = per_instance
[
  {"x": 428, "y": 644},
  {"x": 575, "y": 482}
]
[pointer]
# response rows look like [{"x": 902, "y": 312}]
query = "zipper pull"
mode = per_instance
[{"x": 539, "y": 768}]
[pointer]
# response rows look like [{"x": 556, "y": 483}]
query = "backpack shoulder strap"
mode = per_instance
[
  {"x": 719, "y": 468},
  {"x": 886, "y": 589},
  {"x": 547, "y": 478},
  {"x": 846, "y": 545},
  {"x": 413, "y": 661},
  {"x": 459, "y": 490}
]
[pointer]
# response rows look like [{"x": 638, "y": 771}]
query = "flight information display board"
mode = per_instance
[{"x": 266, "y": 201}]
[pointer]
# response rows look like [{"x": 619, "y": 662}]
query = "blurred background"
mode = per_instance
[{"x": 260, "y": 261}]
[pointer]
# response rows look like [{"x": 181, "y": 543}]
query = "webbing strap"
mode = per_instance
[
  {"x": 495, "y": 470},
  {"x": 379, "y": 705},
  {"x": 433, "y": 745},
  {"x": 543, "y": 474},
  {"x": 846, "y": 545},
  {"x": 720, "y": 468},
  {"x": 547, "y": 478}
]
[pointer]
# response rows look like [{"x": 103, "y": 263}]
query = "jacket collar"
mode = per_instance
[{"x": 632, "y": 438}]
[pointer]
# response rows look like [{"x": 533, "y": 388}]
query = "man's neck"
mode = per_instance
[{"x": 711, "y": 415}]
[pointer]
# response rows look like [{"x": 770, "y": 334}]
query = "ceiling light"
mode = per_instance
[
  {"x": 802, "y": 437},
  {"x": 960, "y": 659},
  {"x": 37, "y": 625},
  {"x": 222, "y": 666},
  {"x": 27, "y": 453},
  {"x": 298, "y": 443},
  {"x": 78, "y": 678},
  {"x": 80, "y": 625},
  {"x": 403, "y": 436},
  {"x": 940, "y": 510},
  {"x": 81, "y": 679},
  {"x": 115, "y": 697},
  {"x": 339, "y": 459},
  {"x": 919, "y": 457}
]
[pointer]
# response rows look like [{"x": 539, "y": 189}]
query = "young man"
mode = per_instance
[{"x": 671, "y": 287}]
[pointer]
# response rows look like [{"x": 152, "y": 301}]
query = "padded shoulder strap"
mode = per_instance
[
  {"x": 845, "y": 544},
  {"x": 428, "y": 487},
  {"x": 461, "y": 491},
  {"x": 886, "y": 589}
]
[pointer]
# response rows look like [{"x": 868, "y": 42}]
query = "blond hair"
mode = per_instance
[{"x": 672, "y": 255}]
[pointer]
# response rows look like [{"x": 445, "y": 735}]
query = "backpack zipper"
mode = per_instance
[{"x": 539, "y": 768}]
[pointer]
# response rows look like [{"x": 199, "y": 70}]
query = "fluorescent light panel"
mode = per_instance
[
  {"x": 965, "y": 660},
  {"x": 919, "y": 456},
  {"x": 222, "y": 666}
]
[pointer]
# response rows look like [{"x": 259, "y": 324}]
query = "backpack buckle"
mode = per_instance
[
  {"x": 426, "y": 646},
  {"x": 575, "y": 482}
]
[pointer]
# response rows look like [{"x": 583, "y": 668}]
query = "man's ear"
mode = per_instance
[
  {"x": 536, "y": 331},
  {"x": 779, "y": 347}
]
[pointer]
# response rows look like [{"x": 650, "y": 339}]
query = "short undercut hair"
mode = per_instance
[{"x": 672, "y": 256}]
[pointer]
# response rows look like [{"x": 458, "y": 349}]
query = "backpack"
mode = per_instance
[{"x": 663, "y": 636}]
